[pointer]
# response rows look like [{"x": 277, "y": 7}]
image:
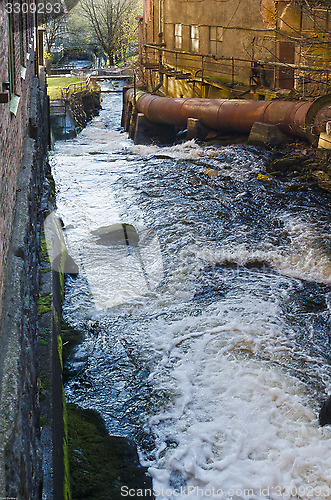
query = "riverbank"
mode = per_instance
[
  {"x": 303, "y": 167},
  {"x": 73, "y": 103},
  {"x": 296, "y": 163}
]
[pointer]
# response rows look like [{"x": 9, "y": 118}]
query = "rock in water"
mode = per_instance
[
  {"x": 325, "y": 413},
  {"x": 323, "y": 179}
]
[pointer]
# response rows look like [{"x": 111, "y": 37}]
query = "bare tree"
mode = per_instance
[
  {"x": 106, "y": 18},
  {"x": 53, "y": 15},
  {"x": 55, "y": 29}
]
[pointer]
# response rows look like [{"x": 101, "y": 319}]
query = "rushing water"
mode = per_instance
[{"x": 217, "y": 373}]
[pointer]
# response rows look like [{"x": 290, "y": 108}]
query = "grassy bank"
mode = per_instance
[{"x": 55, "y": 84}]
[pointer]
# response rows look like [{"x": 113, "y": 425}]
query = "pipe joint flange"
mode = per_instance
[{"x": 310, "y": 124}]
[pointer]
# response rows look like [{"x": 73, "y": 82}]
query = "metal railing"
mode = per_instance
[
  {"x": 72, "y": 88},
  {"x": 221, "y": 70}
]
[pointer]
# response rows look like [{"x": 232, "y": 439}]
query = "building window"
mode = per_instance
[
  {"x": 21, "y": 24},
  {"x": 178, "y": 36},
  {"x": 321, "y": 20},
  {"x": 215, "y": 40},
  {"x": 11, "y": 59},
  {"x": 14, "y": 98},
  {"x": 316, "y": 19},
  {"x": 22, "y": 40},
  {"x": 194, "y": 38}
]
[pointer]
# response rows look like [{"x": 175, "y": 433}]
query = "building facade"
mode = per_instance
[
  {"x": 23, "y": 145},
  {"x": 17, "y": 70},
  {"x": 213, "y": 47}
]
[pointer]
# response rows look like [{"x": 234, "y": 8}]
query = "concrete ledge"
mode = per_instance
[
  {"x": 263, "y": 133},
  {"x": 195, "y": 130},
  {"x": 143, "y": 131},
  {"x": 324, "y": 141}
]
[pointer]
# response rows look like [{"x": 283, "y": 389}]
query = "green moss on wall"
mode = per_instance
[
  {"x": 44, "y": 304},
  {"x": 44, "y": 420},
  {"x": 100, "y": 464},
  {"x": 43, "y": 386},
  {"x": 51, "y": 181},
  {"x": 61, "y": 283},
  {"x": 44, "y": 336},
  {"x": 43, "y": 249},
  {"x": 66, "y": 483},
  {"x": 59, "y": 349}
]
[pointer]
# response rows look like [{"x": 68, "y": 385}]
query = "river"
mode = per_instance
[{"x": 218, "y": 370}]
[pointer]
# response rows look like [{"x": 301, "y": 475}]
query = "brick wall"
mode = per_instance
[
  {"x": 13, "y": 128},
  {"x": 20, "y": 442}
]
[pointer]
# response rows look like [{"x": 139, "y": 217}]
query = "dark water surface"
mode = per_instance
[{"x": 218, "y": 372}]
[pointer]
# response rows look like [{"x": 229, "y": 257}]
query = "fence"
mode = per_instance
[
  {"x": 72, "y": 88},
  {"x": 209, "y": 69}
]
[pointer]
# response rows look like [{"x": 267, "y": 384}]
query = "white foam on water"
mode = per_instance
[
  {"x": 238, "y": 422},
  {"x": 304, "y": 258},
  {"x": 184, "y": 151},
  {"x": 239, "y": 415},
  {"x": 308, "y": 259},
  {"x": 238, "y": 254}
]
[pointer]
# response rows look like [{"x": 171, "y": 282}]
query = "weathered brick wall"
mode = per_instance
[
  {"x": 23, "y": 142},
  {"x": 12, "y": 128},
  {"x": 20, "y": 446}
]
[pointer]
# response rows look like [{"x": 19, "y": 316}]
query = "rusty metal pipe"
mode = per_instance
[{"x": 298, "y": 119}]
